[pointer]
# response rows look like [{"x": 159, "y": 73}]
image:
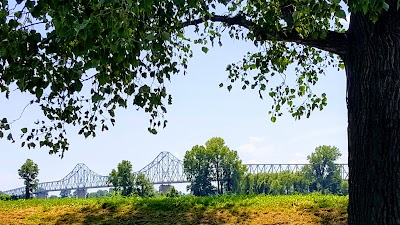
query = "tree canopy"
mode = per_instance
[
  {"x": 214, "y": 162},
  {"x": 29, "y": 172},
  {"x": 126, "y": 182},
  {"x": 143, "y": 186},
  {"x": 123, "y": 179},
  {"x": 322, "y": 170},
  {"x": 82, "y": 60}
]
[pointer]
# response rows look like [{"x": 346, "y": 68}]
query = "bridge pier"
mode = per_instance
[
  {"x": 81, "y": 193},
  {"x": 42, "y": 195},
  {"x": 164, "y": 188}
]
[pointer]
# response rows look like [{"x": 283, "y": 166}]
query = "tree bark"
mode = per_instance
[
  {"x": 27, "y": 192},
  {"x": 373, "y": 95}
]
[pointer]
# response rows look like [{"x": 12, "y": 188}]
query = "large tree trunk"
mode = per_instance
[
  {"x": 373, "y": 76},
  {"x": 27, "y": 192}
]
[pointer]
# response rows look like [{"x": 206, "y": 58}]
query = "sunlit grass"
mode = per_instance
[{"x": 226, "y": 209}]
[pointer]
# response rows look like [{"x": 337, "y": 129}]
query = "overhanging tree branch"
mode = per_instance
[{"x": 334, "y": 42}]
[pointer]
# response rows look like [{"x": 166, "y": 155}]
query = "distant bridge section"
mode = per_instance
[
  {"x": 164, "y": 169},
  {"x": 277, "y": 168},
  {"x": 81, "y": 177}
]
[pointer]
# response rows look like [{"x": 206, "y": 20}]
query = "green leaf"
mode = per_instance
[
  {"x": 365, "y": 8},
  {"x": 323, "y": 34},
  {"x": 18, "y": 14},
  {"x": 111, "y": 112},
  {"x": 1, "y": 134},
  {"x": 13, "y": 23},
  {"x": 39, "y": 92},
  {"x": 204, "y": 49},
  {"x": 82, "y": 25},
  {"x": 24, "y": 130},
  {"x": 340, "y": 13},
  {"x": 96, "y": 97},
  {"x": 165, "y": 36},
  {"x": 78, "y": 85},
  {"x": 296, "y": 15},
  {"x": 385, "y": 6},
  {"x": 273, "y": 119},
  {"x": 150, "y": 37}
]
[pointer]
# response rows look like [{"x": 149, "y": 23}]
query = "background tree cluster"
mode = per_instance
[
  {"x": 172, "y": 192},
  {"x": 4, "y": 196},
  {"x": 275, "y": 183},
  {"x": 213, "y": 168},
  {"x": 126, "y": 182},
  {"x": 321, "y": 175},
  {"x": 98, "y": 194},
  {"x": 287, "y": 183},
  {"x": 66, "y": 193}
]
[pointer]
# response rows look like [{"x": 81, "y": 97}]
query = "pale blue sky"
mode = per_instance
[{"x": 200, "y": 110}]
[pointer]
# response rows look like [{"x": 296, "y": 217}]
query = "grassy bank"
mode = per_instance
[{"x": 295, "y": 209}]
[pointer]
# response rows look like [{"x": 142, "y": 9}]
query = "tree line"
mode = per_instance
[{"x": 215, "y": 169}]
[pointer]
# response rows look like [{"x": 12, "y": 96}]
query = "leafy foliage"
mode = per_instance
[
  {"x": 172, "y": 192},
  {"x": 65, "y": 193},
  {"x": 322, "y": 171},
  {"x": 287, "y": 183},
  {"x": 4, "y": 197},
  {"x": 284, "y": 183},
  {"x": 81, "y": 60},
  {"x": 321, "y": 175},
  {"x": 127, "y": 183},
  {"x": 29, "y": 172},
  {"x": 98, "y": 194},
  {"x": 213, "y": 162},
  {"x": 123, "y": 179},
  {"x": 143, "y": 186},
  {"x": 197, "y": 168}
]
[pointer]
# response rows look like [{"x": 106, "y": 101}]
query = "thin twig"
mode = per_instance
[{"x": 20, "y": 116}]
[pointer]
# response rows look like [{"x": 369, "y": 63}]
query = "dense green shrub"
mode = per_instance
[{"x": 5, "y": 197}]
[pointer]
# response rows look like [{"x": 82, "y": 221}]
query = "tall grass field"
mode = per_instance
[{"x": 226, "y": 209}]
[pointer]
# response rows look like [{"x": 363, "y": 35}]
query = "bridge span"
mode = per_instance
[{"x": 164, "y": 169}]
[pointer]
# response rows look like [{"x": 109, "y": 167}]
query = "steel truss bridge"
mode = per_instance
[{"x": 164, "y": 169}]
